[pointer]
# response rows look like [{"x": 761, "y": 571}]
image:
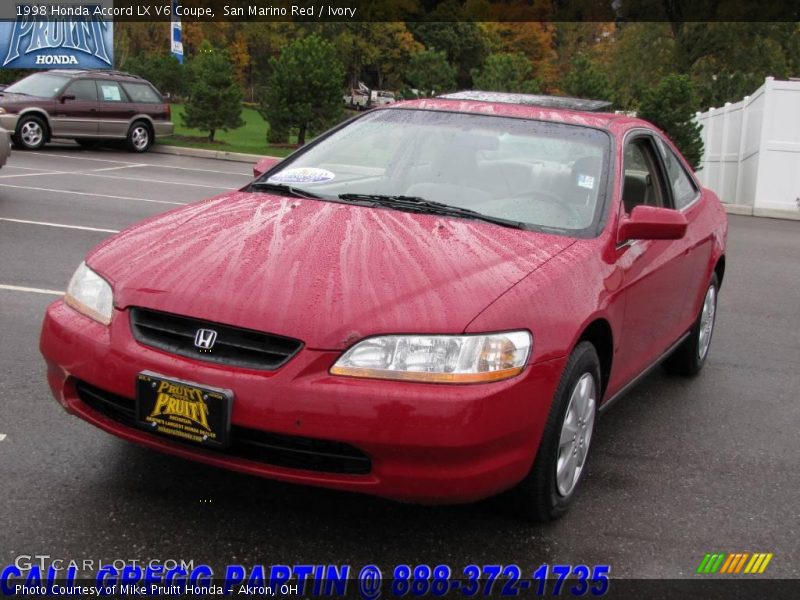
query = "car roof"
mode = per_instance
[
  {"x": 100, "y": 73},
  {"x": 530, "y": 100},
  {"x": 505, "y": 108}
]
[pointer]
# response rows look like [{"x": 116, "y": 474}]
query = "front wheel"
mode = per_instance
[
  {"x": 31, "y": 133},
  {"x": 548, "y": 489},
  {"x": 690, "y": 356},
  {"x": 139, "y": 137}
]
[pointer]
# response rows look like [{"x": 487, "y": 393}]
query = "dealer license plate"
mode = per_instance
[{"x": 183, "y": 410}]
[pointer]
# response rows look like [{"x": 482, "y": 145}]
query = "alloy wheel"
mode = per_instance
[
  {"x": 140, "y": 137},
  {"x": 576, "y": 434},
  {"x": 31, "y": 133},
  {"x": 707, "y": 322}
]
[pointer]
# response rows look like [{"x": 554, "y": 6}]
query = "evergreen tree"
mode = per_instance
[
  {"x": 430, "y": 73},
  {"x": 305, "y": 90},
  {"x": 587, "y": 80},
  {"x": 162, "y": 70},
  {"x": 215, "y": 99},
  {"x": 505, "y": 72},
  {"x": 671, "y": 105}
]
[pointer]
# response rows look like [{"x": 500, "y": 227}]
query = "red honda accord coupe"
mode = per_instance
[{"x": 430, "y": 302}]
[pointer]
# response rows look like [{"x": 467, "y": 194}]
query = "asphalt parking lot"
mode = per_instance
[{"x": 679, "y": 467}]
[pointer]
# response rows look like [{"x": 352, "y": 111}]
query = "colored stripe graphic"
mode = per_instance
[
  {"x": 758, "y": 563},
  {"x": 741, "y": 562},
  {"x": 734, "y": 563},
  {"x": 711, "y": 563},
  {"x": 732, "y": 560},
  {"x": 724, "y": 563}
]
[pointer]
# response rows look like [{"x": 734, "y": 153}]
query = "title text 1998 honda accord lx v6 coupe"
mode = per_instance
[{"x": 428, "y": 303}]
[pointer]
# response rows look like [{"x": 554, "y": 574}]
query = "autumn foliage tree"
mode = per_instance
[
  {"x": 215, "y": 98},
  {"x": 305, "y": 90}
]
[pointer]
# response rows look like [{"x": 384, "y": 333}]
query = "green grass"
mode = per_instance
[{"x": 249, "y": 139}]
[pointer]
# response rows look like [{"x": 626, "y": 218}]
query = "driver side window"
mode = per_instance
[
  {"x": 83, "y": 89},
  {"x": 643, "y": 183}
]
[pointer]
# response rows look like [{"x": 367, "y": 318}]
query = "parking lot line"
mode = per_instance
[
  {"x": 20, "y": 288},
  {"x": 123, "y": 162},
  {"x": 34, "y": 174},
  {"x": 7, "y": 166},
  {"x": 149, "y": 180},
  {"x": 59, "y": 225},
  {"x": 133, "y": 166},
  {"x": 94, "y": 173},
  {"x": 39, "y": 189}
]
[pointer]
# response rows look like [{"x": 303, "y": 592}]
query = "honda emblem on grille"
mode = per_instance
[{"x": 204, "y": 339}]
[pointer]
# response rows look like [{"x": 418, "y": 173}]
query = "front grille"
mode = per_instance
[
  {"x": 234, "y": 346},
  {"x": 289, "y": 451}
]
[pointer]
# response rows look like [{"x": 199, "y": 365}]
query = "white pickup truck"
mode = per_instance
[
  {"x": 382, "y": 97},
  {"x": 358, "y": 99}
]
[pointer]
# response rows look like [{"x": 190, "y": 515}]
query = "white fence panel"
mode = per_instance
[{"x": 751, "y": 153}]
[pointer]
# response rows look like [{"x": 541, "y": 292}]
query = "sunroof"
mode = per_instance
[{"x": 530, "y": 100}]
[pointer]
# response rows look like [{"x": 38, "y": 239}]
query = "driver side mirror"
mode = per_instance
[
  {"x": 264, "y": 165},
  {"x": 652, "y": 223},
  {"x": 66, "y": 97}
]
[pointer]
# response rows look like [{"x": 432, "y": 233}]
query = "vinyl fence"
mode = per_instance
[{"x": 752, "y": 151}]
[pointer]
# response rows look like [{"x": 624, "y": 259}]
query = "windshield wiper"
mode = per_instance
[
  {"x": 417, "y": 204},
  {"x": 286, "y": 190}
]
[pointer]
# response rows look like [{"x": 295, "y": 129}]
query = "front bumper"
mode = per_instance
[
  {"x": 427, "y": 443},
  {"x": 8, "y": 121},
  {"x": 5, "y": 146}
]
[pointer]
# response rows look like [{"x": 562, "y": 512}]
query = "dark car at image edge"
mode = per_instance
[{"x": 84, "y": 105}]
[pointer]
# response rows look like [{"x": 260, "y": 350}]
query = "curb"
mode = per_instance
[
  {"x": 215, "y": 154},
  {"x": 770, "y": 213}
]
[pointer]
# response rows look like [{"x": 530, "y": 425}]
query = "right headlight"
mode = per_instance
[
  {"x": 90, "y": 294},
  {"x": 438, "y": 358}
]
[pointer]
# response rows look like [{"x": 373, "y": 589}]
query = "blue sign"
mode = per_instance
[
  {"x": 83, "y": 41},
  {"x": 176, "y": 39}
]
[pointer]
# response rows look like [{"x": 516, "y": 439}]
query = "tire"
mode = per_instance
[
  {"x": 31, "y": 133},
  {"x": 688, "y": 358},
  {"x": 548, "y": 489},
  {"x": 139, "y": 137},
  {"x": 88, "y": 144}
]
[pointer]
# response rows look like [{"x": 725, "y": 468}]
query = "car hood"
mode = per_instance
[
  {"x": 323, "y": 272},
  {"x": 11, "y": 98}
]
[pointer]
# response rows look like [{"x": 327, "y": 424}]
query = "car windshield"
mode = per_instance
[
  {"x": 545, "y": 175},
  {"x": 45, "y": 85}
]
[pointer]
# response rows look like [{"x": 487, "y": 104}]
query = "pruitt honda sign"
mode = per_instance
[{"x": 74, "y": 39}]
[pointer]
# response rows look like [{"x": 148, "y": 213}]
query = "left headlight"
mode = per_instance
[
  {"x": 90, "y": 294},
  {"x": 438, "y": 358}
]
